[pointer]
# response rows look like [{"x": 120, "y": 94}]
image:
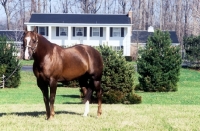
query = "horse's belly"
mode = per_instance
[{"x": 73, "y": 74}]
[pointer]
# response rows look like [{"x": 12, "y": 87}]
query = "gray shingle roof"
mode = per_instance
[
  {"x": 80, "y": 18},
  {"x": 142, "y": 36},
  {"x": 12, "y": 35}
]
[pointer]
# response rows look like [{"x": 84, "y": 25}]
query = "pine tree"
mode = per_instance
[
  {"x": 159, "y": 65},
  {"x": 9, "y": 64},
  {"x": 192, "y": 49},
  {"x": 117, "y": 79}
]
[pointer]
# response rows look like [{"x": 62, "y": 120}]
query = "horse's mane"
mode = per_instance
[{"x": 43, "y": 39}]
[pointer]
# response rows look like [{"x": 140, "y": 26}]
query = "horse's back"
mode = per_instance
[{"x": 95, "y": 62}]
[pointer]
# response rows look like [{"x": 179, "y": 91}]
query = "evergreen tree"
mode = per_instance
[
  {"x": 9, "y": 64},
  {"x": 192, "y": 49},
  {"x": 159, "y": 64},
  {"x": 117, "y": 79}
]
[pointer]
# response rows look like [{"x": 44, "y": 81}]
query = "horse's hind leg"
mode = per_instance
[
  {"x": 97, "y": 85},
  {"x": 87, "y": 92}
]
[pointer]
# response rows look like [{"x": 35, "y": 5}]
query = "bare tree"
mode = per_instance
[
  {"x": 141, "y": 12},
  {"x": 33, "y": 6},
  {"x": 178, "y": 17},
  {"x": 123, "y": 3},
  {"x": 44, "y": 6},
  {"x": 22, "y": 14},
  {"x": 65, "y": 8},
  {"x": 9, "y": 9},
  {"x": 39, "y": 6},
  {"x": 95, "y": 6},
  {"x": 84, "y": 5},
  {"x": 108, "y": 6}
]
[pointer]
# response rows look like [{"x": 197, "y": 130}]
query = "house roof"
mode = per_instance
[
  {"x": 12, "y": 35},
  {"x": 80, "y": 18},
  {"x": 142, "y": 36}
]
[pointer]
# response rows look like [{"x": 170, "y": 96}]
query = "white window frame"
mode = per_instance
[
  {"x": 79, "y": 29},
  {"x": 116, "y": 32},
  {"x": 63, "y": 31},
  {"x": 40, "y": 28},
  {"x": 96, "y": 31}
]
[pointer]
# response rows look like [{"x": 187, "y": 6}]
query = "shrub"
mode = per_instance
[
  {"x": 73, "y": 83},
  {"x": 9, "y": 66},
  {"x": 117, "y": 79},
  {"x": 159, "y": 64},
  {"x": 134, "y": 98}
]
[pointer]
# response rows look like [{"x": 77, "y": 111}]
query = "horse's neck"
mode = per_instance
[{"x": 43, "y": 48}]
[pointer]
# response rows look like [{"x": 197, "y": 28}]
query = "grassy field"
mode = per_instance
[{"x": 22, "y": 109}]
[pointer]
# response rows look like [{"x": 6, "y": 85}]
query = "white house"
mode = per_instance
[{"x": 90, "y": 29}]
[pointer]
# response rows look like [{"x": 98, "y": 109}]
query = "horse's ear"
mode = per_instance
[{"x": 35, "y": 29}]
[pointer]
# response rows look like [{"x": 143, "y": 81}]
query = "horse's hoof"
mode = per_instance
[
  {"x": 50, "y": 118},
  {"x": 84, "y": 115},
  {"x": 99, "y": 114}
]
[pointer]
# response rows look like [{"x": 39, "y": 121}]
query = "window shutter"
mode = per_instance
[
  {"x": 122, "y": 32},
  {"x": 90, "y": 31},
  {"x": 101, "y": 31},
  {"x": 57, "y": 31},
  {"x": 73, "y": 31},
  {"x": 47, "y": 30},
  {"x": 37, "y": 29},
  {"x": 111, "y": 31},
  {"x": 85, "y": 31}
]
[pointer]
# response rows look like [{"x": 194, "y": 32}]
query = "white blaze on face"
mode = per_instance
[
  {"x": 86, "y": 108},
  {"x": 28, "y": 39}
]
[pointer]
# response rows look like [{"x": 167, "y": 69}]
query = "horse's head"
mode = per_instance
[{"x": 30, "y": 43}]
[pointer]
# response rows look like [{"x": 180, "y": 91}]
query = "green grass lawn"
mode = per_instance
[
  {"x": 29, "y": 93},
  {"x": 22, "y": 109}
]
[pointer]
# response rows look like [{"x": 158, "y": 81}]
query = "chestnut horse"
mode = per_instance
[{"x": 53, "y": 64}]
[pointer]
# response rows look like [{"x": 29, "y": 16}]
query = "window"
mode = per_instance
[
  {"x": 63, "y": 31},
  {"x": 95, "y": 31},
  {"x": 42, "y": 31},
  {"x": 116, "y": 32},
  {"x": 79, "y": 31},
  {"x": 117, "y": 48}
]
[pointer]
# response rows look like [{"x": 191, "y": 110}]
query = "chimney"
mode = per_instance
[
  {"x": 130, "y": 15},
  {"x": 150, "y": 29}
]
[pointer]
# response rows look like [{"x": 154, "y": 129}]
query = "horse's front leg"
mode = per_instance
[
  {"x": 45, "y": 91},
  {"x": 53, "y": 88}
]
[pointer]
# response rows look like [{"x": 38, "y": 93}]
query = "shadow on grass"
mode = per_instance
[
  {"x": 38, "y": 113},
  {"x": 70, "y": 96}
]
